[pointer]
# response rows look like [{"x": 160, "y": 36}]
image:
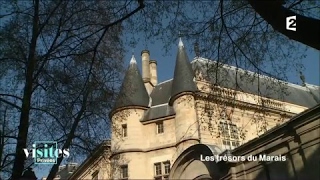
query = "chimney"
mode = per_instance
[
  {"x": 153, "y": 72},
  {"x": 196, "y": 49},
  {"x": 145, "y": 54}
]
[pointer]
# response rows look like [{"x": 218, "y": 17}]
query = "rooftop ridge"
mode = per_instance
[
  {"x": 253, "y": 73},
  {"x": 312, "y": 86},
  {"x": 165, "y": 81},
  {"x": 158, "y": 105}
]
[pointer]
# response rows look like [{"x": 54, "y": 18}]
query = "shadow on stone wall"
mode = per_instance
[{"x": 298, "y": 166}]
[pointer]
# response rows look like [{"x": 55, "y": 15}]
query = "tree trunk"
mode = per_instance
[
  {"x": 307, "y": 28},
  {"x": 18, "y": 166}
]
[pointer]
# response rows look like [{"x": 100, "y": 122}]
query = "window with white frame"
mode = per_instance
[
  {"x": 124, "y": 172},
  {"x": 160, "y": 128},
  {"x": 161, "y": 170},
  {"x": 166, "y": 167},
  {"x": 157, "y": 169},
  {"x": 229, "y": 134},
  {"x": 124, "y": 130}
]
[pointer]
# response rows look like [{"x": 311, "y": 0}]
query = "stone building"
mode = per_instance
[
  {"x": 162, "y": 130},
  {"x": 65, "y": 171}
]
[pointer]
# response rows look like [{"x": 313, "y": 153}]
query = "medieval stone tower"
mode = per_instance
[
  {"x": 183, "y": 102},
  {"x": 140, "y": 140}
]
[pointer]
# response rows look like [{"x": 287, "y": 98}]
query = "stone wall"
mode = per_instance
[
  {"x": 298, "y": 141},
  {"x": 241, "y": 109},
  {"x": 295, "y": 143},
  {"x": 98, "y": 163}
]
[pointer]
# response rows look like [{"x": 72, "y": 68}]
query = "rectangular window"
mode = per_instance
[
  {"x": 157, "y": 169},
  {"x": 227, "y": 144},
  {"x": 234, "y": 131},
  {"x": 237, "y": 143},
  {"x": 230, "y": 135},
  {"x": 166, "y": 166},
  {"x": 160, "y": 127},
  {"x": 224, "y": 129},
  {"x": 161, "y": 170},
  {"x": 124, "y": 172},
  {"x": 124, "y": 130}
]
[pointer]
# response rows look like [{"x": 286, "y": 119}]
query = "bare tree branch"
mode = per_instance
[{"x": 275, "y": 14}]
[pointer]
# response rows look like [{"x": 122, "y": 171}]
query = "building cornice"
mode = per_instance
[
  {"x": 91, "y": 159},
  {"x": 234, "y": 102},
  {"x": 158, "y": 119},
  {"x": 113, "y": 112},
  {"x": 130, "y": 150}
]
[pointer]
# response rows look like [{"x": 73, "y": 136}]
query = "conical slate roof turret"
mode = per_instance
[
  {"x": 183, "y": 74},
  {"x": 133, "y": 91}
]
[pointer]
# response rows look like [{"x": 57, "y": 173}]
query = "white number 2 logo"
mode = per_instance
[{"x": 291, "y": 23}]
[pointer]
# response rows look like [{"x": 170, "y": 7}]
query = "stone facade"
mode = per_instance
[
  {"x": 97, "y": 166},
  {"x": 147, "y": 140},
  {"x": 65, "y": 171},
  {"x": 294, "y": 147},
  {"x": 143, "y": 147}
]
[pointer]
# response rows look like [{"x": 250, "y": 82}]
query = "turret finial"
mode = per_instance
[
  {"x": 180, "y": 40},
  {"x": 133, "y": 59}
]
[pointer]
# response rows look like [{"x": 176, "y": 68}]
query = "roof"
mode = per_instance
[
  {"x": 238, "y": 79},
  {"x": 158, "y": 111},
  {"x": 247, "y": 82},
  {"x": 133, "y": 91},
  {"x": 183, "y": 74}
]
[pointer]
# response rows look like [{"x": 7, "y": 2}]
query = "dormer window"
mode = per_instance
[
  {"x": 124, "y": 130},
  {"x": 160, "y": 128}
]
